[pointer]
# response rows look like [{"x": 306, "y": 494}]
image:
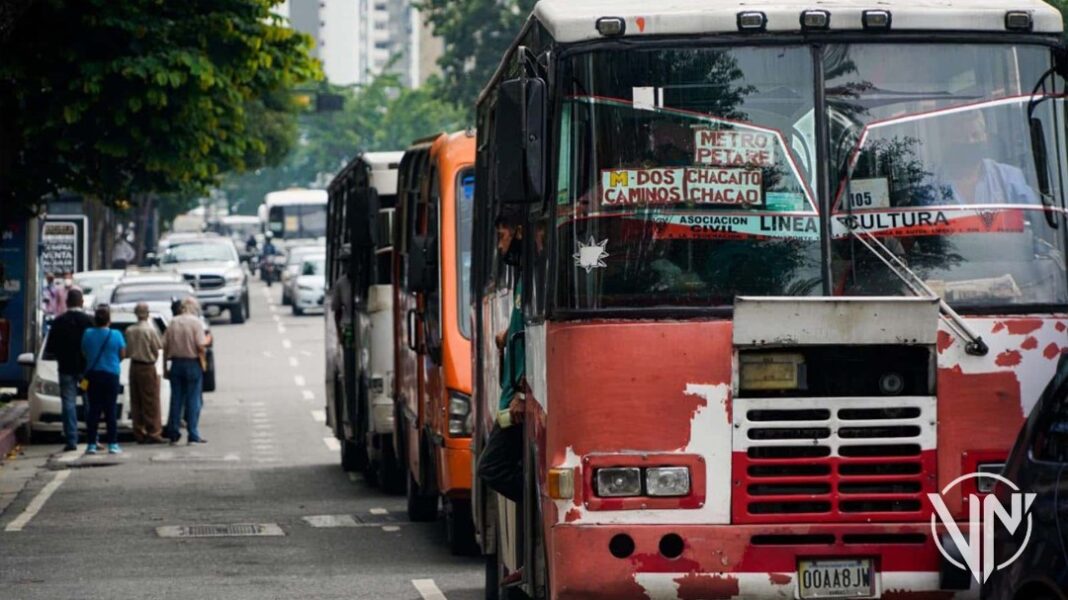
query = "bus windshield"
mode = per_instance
[
  {"x": 685, "y": 178},
  {"x": 297, "y": 221},
  {"x": 688, "y": 176},
  {"x": 946, "y": 167}
]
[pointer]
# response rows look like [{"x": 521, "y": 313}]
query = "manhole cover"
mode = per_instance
[{"x": 232, "y": 530}]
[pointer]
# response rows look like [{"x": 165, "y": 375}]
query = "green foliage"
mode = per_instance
[
  {"x": 114, "y": 99},
  {"x": 384, "y": 115},
  {"x": 477, "y": 33}
]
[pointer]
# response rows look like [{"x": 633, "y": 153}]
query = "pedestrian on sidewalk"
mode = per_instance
[
  {"x": 143, "y": 345},
  {"x": 184, "y": 347},
  {"x": 65, "y": 344},
  {"x": 104, "y": 348}
]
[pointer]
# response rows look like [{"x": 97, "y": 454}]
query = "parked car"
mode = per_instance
[
  {"x": 160, "y": 297},
  {"x": 212, "y": 267},
  {"x": 1039, "y": 464},
  {"x": 93, "y": 282},
  {"x": 309, "y": 288},
  {"x": 44, "y": 400}
]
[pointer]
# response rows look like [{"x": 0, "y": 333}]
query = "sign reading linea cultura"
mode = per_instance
[{"x": 63, "y": 244}]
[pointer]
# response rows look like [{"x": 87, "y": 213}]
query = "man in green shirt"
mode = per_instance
[{"x": 501, "y": 463}]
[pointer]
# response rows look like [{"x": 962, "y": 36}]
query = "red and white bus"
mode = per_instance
[{"x": 788, "y": 268}]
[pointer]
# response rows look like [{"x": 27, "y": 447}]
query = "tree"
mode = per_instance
[
  {"x": 477, "y": 33},
  {"x": 120, "y": 99},
  {"x": 384, "y": 115}
]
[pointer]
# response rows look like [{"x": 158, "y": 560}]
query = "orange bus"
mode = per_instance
[{"x": 432, "y": 328}]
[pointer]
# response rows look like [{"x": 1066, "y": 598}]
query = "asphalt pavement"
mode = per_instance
[{"x": 263, "y": 510}]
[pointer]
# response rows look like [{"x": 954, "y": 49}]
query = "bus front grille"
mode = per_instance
[{"x": 833, "y": 459}]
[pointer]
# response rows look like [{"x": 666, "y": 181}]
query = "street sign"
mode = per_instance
[{"x": 63, "y": 244}]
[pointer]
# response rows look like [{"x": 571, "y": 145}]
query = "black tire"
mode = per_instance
[
  {"x": 297, "y": 311},
  {"x": 207, "y": 384},
  {"x": 421, "y": 507},
  {"x": 493, "y": 577},
  {"x": 390, "y": 474},
  {"x": 286, "y": 301},
  {"x": 237, "y": 313},
  {"x": 245, "y": 302},
  {"x": 353, "y": 459},
  {"x": 460, "y": 528}
]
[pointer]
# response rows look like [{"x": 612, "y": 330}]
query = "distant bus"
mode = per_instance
[{"x": 295, "y": 214}]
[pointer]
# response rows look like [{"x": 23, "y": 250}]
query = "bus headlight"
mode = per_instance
[
  {"x": 667, "y": 481},
  {"x": 459, "y": 411},
  {"x": 617, "y": 482}
]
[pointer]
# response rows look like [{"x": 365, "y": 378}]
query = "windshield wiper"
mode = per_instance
[{"x": 973, "y": 342}]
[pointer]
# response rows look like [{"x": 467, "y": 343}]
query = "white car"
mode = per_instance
[
  {"x": 95, "y": 283},
  {"x": 309, "y": 287},
  {"x": 46, "y": 406},
  {"x": 295, "y": 258}
]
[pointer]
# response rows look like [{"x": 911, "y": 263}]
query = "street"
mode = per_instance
[{"x": 101, "y": 527}]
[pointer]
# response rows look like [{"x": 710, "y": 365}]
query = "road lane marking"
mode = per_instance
[
  {"x": 287, "y": 344},
  {"x": 293, "y": 362},
  {"x": 379, "y": 511},
  {"x": 299, "y": 380},
  {"x": 331, "y": 521},
  {"x": 268, "y": 354},
  {"x": 428, "y": 589},
  {"x": 276, "y": 317},
  {"x": 273, "y": 307},
  {"x": 308, "y": 394},
  {"x": 319, "y": 416},
  {"x": 332, "y": 443},
  {"x": 38, "y": 502},
  {"x": 305, "y": 353},
  {"x": 354, "y": 477},
  {"x": 390, "y": 528},
  {"x": 281, "y": 328}
]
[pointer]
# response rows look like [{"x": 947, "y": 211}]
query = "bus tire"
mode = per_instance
[
  {"x": 390, "y": 475},
  {"x": 352, "y": 459},
  {"x": 421, "y": 507},
  {"x": 460, "y": 528}
]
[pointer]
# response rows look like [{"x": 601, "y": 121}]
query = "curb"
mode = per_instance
[{"x": 13, "y": 419}]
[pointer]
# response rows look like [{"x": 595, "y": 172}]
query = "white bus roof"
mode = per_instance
[
  {"x": 384, "y": 171},
  {"x": 295, "y": 196},
  {"x": 575, "y": 20}
]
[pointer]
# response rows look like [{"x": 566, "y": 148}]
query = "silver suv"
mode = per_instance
[{"x": 213, "y": 268}]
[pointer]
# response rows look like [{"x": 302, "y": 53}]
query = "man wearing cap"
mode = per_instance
[{"x": 143, "y": 345}]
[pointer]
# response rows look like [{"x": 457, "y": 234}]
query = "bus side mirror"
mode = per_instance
[
  {"x": 518, "y": 141},
  {"x": 422, "y": 264}
]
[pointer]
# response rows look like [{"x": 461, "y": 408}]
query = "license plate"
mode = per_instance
[{"x": 842, "y": 578}]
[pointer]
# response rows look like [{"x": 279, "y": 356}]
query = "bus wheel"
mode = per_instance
[
  {"x": 390, "y": 475},
  {"x": 351, "y": 458},
  {"x": 421, "y": 507},
  {"x": 460, "y": 526}
]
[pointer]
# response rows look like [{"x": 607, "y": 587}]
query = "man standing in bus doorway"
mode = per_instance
[
  {"x": 501, "y": 463},
  {"x": 143, "y": 345}
]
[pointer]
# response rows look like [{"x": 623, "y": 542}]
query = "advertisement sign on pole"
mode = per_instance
[{"x": 63, "y": 244}]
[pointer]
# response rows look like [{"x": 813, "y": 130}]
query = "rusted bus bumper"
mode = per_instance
[
  {"x": 454, "y": 467},
  {"x": 732, "y": 561}
]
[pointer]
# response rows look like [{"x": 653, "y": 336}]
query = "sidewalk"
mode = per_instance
[{"x": 13, "y": 419}]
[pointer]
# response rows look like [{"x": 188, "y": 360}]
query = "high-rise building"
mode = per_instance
[{"x": 358, "y": 39}]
